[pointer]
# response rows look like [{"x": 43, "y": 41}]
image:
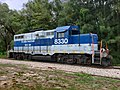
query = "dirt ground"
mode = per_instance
[{"x": 28, "y": 75}]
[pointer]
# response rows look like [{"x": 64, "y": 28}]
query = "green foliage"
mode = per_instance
[
  {"x": 3, "y": 54},
  {"x": 37, "y": 14}
]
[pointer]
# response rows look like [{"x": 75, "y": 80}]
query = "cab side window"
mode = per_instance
[
  {"x": 60, "y": 34},
  {"x": 74, "y": 32}
]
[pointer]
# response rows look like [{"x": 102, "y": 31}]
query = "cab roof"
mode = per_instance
[{"x": 64, "y": 28}]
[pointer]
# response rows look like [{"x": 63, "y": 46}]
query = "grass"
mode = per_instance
[
  {"x": 116, "y": 65},
  {"x": 3, "y": 56},
  {"x": 23, "y": 78}
]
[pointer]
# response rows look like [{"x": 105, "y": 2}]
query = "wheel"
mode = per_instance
[
  {"x": 83, "y": 59},
  {"x": 89, "y": 60},
  {"x": 15, "y": 56},
  {"x": 58, "y": 58},
  {"x": 79, "y": 60},
  {"x": 22, "y": 56},
  {"x": 29, "y": 57},
  {"x": 71, "y": 61}
]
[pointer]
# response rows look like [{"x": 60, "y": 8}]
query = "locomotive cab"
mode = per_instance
[
  {"x": 62, "y": 34},
  {"x": 83, "y": 47}
]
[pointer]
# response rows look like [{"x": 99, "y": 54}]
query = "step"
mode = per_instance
[
  {"x": 97, "y": 53},
  {"x": 97, "y": 59}
]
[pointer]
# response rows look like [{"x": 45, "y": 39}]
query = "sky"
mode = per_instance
[{"x": 14, "y": 4}]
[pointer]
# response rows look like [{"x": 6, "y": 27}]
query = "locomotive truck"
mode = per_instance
[{"x": 64, "y": 44}]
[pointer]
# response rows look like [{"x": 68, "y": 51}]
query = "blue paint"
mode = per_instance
[
  {"x": 37, "y": 42},
  {"x": 84, "y": 39},
  {"x": 66, "y": 28},
  {"x": 62, "y": 29},
  {"x": 68, "y": 34}
]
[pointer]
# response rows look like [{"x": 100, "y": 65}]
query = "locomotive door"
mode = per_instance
[
  {"x": 43, "y": 46},
  {"x": 47, "y": 46},
  {"x": 31, "y": 45}
]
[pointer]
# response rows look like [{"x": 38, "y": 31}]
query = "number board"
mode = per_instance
[{"x": 61, "y": 41}]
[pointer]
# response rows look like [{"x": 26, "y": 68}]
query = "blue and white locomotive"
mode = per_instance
[{"x": 64, "y": 44}]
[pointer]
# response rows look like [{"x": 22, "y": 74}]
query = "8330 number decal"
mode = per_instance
[{"x": 61, "y": 41}]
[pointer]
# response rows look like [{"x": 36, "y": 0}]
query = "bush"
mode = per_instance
[
  {"x": 116, "y": 58},
  {"x": 3, "y": 54}
]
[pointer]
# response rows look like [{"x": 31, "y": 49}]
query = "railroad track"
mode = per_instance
[
  {"x": 116, "y": 67},
  {"x": 92, "y": 66},
  {"x": 100, "y": 67}
]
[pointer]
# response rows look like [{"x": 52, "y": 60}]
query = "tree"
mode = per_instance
[{"x": 37, "y": 14}]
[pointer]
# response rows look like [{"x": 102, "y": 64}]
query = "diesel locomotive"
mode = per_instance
[{"x": 64, "y": 44}]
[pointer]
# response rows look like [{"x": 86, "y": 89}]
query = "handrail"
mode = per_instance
[
  {"x": 101, "y": 52},
  {"x": 92, "y": 49}
]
